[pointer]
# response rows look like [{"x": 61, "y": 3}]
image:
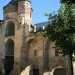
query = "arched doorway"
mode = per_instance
[
  {"x": 9, "y": 56},
  {"x": 10, "y": 29},
  {"x": 59, "y": 71},
  {"x": 34, "y": 70}
]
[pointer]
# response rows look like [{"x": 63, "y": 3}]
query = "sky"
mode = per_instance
[{"x": 40, "y": 7}]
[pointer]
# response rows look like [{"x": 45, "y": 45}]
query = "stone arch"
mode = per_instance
[
  {"x": 59, "y": 71},
  {"x": 28, "y": 44},
  {"x": 10, "y": 29},
  {"x": 9, "y": 56}
]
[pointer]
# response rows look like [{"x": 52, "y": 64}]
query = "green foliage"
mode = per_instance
[
  {"x": 61, "y": 28},
  {"x": 67, "y": 1}
]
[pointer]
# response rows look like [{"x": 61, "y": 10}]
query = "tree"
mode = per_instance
[
  {"x": 61, "y": 29},
  {"x": 67, "y": 1}
]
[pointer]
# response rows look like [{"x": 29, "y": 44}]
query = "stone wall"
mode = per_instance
[
  {"x": 35, "y": 49},
  {"x": 10, "y": 8},
  {"x": 57, "y": 61},
  {"x": 24, "y": 11},
  {"x": 1, "y": 48}
]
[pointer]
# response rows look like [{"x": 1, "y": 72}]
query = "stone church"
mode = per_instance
[{"x": 22, "y": 45}]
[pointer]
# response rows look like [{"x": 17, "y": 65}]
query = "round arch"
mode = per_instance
[
  {"x": 9, "y": 56},
  {"x": 10, "y": 29},
  {"x": 59, "y": 71},
  {"x": 9, "y": 47},
  {"x": 28, "y": 44},
  {"x": 34, "y": 70}
]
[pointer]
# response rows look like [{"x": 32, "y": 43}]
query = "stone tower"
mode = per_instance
[
  {"x": 17, "y": 21},
  {"x": 24, "y": 14},
  {"x": 22, "y": 31}
]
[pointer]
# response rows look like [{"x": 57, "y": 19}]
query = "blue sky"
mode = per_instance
[{"x": 39, "y": 8}]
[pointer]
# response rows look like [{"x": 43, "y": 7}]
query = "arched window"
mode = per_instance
[
  {"x": 56, "y": 52},
  {"x": 35, "y": 69},
  {"x": 9, "y": 47},
  {"x": 35, "y": 52},
  {"x": 59, "y": 71},
  {"x": 9, "y": 56},
  {"x": 10, "y": 29}
]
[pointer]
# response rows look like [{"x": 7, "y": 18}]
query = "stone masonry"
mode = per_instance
[{"x": 20, "y": 47}]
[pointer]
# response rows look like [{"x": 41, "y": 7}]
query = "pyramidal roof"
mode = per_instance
[
  {"x": 16, "y": 1},
  {"x": 13, "y": 2}
]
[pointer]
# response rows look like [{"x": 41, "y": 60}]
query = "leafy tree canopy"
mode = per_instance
[{"x": 61, "y": 28}]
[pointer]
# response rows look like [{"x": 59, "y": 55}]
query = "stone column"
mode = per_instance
[{"x": 24, "y": 55}]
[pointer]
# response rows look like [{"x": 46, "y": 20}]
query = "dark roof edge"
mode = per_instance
[
  {"x": 42, "y": 24},
  {"x": 1, "y": 20},
  {"x": 11, "y": 2}
]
